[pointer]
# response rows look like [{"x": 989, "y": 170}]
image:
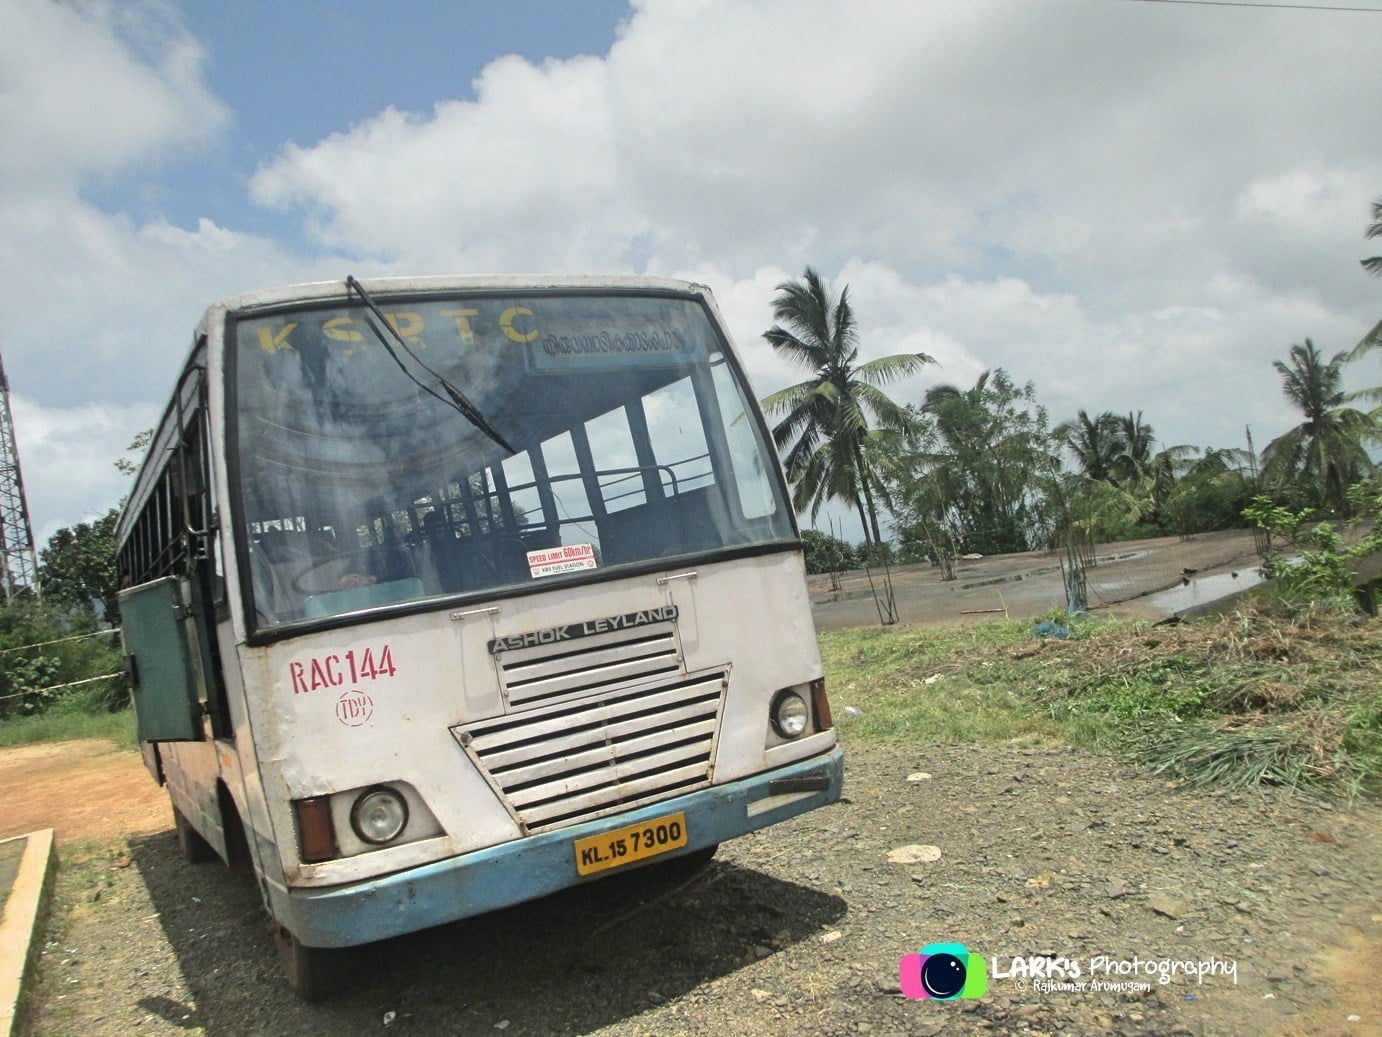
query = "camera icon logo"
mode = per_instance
[{"x": 942, "y": 972}]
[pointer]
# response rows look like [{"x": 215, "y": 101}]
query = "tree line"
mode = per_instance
[{"x": 982, "y": 469}]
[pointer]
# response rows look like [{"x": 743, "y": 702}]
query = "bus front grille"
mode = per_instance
[
  {"x": 541, "y": 673},
  {"x": 569, "y": 762}
]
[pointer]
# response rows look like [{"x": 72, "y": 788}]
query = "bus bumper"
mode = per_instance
[{"x": 510, "y": 873}]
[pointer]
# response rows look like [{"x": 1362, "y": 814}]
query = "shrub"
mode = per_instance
[{"x": 1322, "y": 574}]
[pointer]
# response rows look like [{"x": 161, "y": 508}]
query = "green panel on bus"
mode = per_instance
[{"x": 166, "y": 706}]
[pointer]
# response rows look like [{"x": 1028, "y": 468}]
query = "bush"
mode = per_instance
[
  {"x": 29, "y": 676},
  {"x": 1322, "y": 575},
  {"x": 874, "y": 555},
  {"x": 825, "y": 553}
]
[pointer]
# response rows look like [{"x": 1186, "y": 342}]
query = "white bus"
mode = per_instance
[{"x": 442, "y": 594}]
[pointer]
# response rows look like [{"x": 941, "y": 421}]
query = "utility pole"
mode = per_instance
[{"x": 18, "y": 560}]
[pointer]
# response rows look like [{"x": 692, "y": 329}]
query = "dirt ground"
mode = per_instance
[
  {"x": 1042, "y": 851},
  {"x": 85, "y": 790}
]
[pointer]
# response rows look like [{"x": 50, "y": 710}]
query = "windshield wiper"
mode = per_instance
[{"x": 454, "y": 397}]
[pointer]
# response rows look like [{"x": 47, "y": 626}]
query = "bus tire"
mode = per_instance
[
  {"x": 314, "y": 973},
  {"x": 195, "y": 849},
  {"x": 237, "y": 844}
]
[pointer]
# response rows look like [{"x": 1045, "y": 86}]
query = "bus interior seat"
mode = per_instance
[
  {"x": 679, "y": 525},
  {"x": 276, "y": 558},
  {"x": 473, "y": 562}
]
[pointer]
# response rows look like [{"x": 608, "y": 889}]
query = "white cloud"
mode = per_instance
[
  {"x": 99, "y": 309},
  {"x": 78, "y": 100},
  {"x": 525, "y": 173},
  {"x": 68, "y": 457}
]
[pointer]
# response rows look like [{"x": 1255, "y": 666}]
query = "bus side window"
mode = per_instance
[{"x": 524, "y": 495}]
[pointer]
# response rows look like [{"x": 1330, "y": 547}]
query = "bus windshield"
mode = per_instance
[{"x": 361, "y": 483}]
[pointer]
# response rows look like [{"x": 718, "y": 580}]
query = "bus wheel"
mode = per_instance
[
  {"x": 194, "y": 848},
  {"x": 314, "y": 973}
]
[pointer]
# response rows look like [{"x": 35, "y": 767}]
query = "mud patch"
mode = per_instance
[{"x": 85, "y": 790}]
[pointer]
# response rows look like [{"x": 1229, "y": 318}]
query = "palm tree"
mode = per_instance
[
  {"x": 1325, "y": 452},
  {"x": 1097, "y": 443},
  {"x": 828, "y": 416},
  {"x": 960, "y": 413},
  {"x": 1373, "y": 339},
  {"x": 987, "y": 461},
  {"x": 1374, "y": 264},
  {"x": 1137, "y": 439},
  {"x": 1371, "y": 342}
]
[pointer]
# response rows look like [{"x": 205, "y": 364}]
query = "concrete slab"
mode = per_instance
[{"x": 27, "y": 900}]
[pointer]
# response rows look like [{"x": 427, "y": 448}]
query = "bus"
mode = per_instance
[{"x": 442, "y": 594}]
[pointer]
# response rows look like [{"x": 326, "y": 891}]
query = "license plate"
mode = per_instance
[{"x": 626, "y": 845}]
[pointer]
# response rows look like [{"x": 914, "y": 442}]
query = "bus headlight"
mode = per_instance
[
  {"x": 789, "y": 714},
  {"x": 379, "y": 816}
]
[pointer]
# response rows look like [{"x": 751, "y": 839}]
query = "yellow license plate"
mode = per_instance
[{"x": 626, "y": 845}]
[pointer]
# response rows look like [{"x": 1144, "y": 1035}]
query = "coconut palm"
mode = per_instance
[
  {"x": 1371, "y": 342},
  {"x": 1097, "y": 443},
  {"x": 989, "y": 460},
  {"x": 1137, "y": 440},
  {"x": 1373, "y": 339},
  {"x": 1374, "y": 264},
  {"x": 1325, "y": 452},
  {"x": 960, "y": 414},
  {"x": 828, "y": 416}
]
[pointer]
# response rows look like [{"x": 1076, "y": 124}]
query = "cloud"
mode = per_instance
[
  {"x": 62, "y": 449},
  {"x": 94, "y": 88},
  {"x": 526, "y": 172}
]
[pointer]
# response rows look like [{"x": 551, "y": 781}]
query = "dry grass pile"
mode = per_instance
[{"x": 1252, "y": 698}]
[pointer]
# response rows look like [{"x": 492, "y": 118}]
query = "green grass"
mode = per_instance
[
  {"x": 55, "y": 726},
  {"x": 885, "y": 673},
  {"x": 1243, "y": 700}
]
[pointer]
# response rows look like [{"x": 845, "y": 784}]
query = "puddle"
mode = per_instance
[{"x": 1203, "y": 590}]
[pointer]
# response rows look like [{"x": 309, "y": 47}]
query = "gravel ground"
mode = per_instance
[{"x": 1043, "y": 851}]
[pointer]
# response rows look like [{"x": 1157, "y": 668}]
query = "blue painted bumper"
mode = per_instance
[{"x": 498, "y": 876}]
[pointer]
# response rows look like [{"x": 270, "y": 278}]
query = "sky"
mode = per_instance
[{"x": 1136, "y": 205}]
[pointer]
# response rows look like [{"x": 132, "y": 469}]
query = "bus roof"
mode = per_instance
[{"x": 315, "y": 290}]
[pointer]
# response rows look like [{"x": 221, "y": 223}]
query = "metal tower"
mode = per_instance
[{"x": 18, "y": 560}]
